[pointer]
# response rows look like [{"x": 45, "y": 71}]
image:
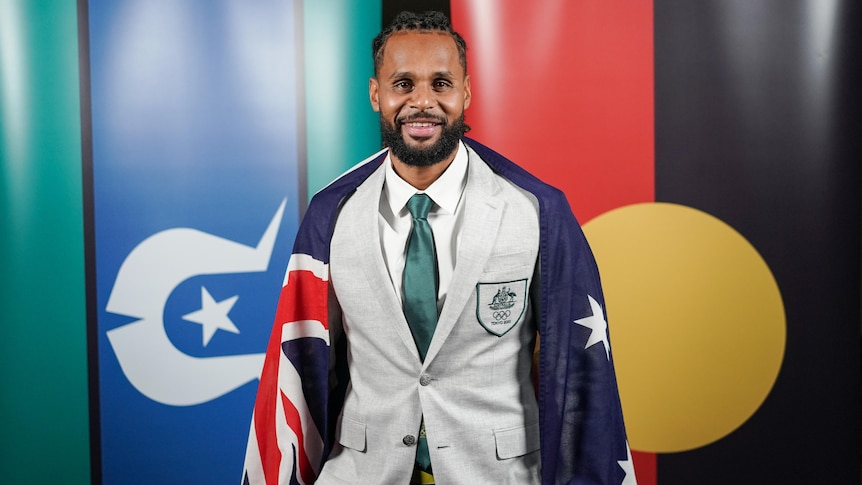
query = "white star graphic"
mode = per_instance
[
  {"x": 598, "y": 325},
  {"x": 213, "y": 315},
  {"x": 628, "y": 466}
]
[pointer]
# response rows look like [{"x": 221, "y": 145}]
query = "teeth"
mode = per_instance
[{"x": 420, "y": 124}]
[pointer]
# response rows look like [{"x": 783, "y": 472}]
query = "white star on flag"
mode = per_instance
[
  {"x": 628, "y": 466},
  {"x": 598, "y": 325},
  {"x": 213, "y": 315}
]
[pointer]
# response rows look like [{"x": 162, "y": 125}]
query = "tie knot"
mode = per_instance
[{"x": 419, "y": 205}]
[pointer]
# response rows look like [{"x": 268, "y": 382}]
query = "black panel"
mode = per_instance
[
  {"x": 89, "y": 242},
  {"x": 758, "y": 123}
]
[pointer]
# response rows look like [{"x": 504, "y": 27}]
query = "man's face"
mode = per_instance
[{"x": 421, "y": 92}]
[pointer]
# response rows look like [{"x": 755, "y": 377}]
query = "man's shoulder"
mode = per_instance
[
  {"x": 318, "y": 221},
  {"x": 347, "y": 182},
  {"x": 356, "y": 174},
  {"x": 546, "y": 193}
]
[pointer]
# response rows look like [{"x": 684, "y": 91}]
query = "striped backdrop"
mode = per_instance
[{"x": 710, "y": 149}]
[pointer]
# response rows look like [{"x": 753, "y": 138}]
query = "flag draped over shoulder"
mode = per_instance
[
  {"x": 583, "y": 437},
  {"x": 291, "y": 426}
]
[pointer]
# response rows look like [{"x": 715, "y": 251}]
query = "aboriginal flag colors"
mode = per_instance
[{"x": 711, "y": 151}]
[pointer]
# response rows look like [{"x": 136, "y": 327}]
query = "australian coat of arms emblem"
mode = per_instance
[{"x": 500, "y": 306}]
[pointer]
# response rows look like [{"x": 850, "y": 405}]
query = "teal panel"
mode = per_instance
[
  {"x": 342, "y": 129},
  {"x": 44, "y": 430}
]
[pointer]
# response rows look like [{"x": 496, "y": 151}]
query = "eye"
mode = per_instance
[
  {"x": 442, "y": 84},
  {"x": 403, "y": 85}
]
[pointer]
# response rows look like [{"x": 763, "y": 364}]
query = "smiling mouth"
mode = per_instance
[{"x": 420, "y": 129}]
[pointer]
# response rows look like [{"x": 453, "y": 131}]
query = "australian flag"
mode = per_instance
[{"x": 583, "y": 439}]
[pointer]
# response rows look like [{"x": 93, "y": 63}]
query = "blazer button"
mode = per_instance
[
  {"x": 424, "y": 380},
  {"x": 409, "y": 440}
]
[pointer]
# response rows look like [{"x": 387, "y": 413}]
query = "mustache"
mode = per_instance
[{"x": 420, "y": 117}]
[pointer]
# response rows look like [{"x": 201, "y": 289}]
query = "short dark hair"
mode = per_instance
[{"x": 424, "y": 22}]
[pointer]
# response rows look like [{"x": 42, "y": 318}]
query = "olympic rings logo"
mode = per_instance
[{"x": 501, "y": 314}]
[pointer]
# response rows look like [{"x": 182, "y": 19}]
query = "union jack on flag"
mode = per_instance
[
  {"x": 287, "y": 442},
  {"x": 284, "y": 430}
]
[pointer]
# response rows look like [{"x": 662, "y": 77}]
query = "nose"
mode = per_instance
[{"x": 423, "y": 97}]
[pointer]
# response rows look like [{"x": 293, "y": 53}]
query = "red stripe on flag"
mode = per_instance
[
  {"x": 307, "y": 300},
  {"x": 295, "y": 423},
  {"x": 302, "y": 298},
  {"x": 265, "y": 410}
]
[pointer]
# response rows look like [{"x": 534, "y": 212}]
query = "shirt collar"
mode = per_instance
[{"x": 445, "y": 191}]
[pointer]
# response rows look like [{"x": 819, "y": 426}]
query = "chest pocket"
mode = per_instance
[{"x": 519, "y": 263}]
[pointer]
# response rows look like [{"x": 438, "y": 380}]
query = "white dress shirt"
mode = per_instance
[{"x": 445, "y": 219}]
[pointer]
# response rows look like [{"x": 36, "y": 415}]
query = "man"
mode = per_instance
[{"x": 404, "y": 338}]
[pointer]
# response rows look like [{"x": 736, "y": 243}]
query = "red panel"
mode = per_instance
[
  {"x": 566, "y": 90},
  {"x": 646, "y": 467}
]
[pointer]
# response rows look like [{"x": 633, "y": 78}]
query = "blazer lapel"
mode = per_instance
[
  {"x": 364, "y": 232},
  {"x": 482, "y": 215}
]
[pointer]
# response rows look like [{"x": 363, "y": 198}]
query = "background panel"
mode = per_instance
[
  {"x": 342, "y": 129},
  {"x": 195, "y": 110},
  {"x": 566, "y": 91},
  {"x": 43, "y": 349},
  {"x": 757, "y": 123}
]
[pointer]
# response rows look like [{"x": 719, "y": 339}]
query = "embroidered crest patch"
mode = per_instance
[{"x": 499, "y": 306}]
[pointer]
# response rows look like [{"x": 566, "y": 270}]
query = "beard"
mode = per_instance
[{"x": 422, "y": 157}]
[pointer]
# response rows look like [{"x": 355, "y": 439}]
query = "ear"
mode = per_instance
[
  {"x": 373, "y": 88},
  {"x": 467, "y": 94}
]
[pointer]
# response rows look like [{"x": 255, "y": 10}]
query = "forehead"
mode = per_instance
[{"x": 420, "y": 52}]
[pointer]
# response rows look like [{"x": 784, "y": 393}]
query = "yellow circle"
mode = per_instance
[{"x": 697, "y": 323}]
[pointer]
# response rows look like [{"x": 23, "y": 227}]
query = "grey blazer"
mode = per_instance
[{"x": 474, "y": 388}]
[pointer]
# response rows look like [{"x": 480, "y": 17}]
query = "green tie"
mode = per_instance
[
  {"x": 420, "y": 276},
  {"x": 420, "y": 294}
]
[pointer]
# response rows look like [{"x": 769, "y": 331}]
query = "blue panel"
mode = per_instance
[{"x": 195, "y": 168}]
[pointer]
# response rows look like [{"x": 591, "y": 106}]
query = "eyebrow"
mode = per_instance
[{"x": 408, "y": 74}]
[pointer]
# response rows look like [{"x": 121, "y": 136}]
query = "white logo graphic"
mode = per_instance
[{"x": 148, "y": 276}]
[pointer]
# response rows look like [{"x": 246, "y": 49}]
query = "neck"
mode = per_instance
[{"x": 421, "y": 177}]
